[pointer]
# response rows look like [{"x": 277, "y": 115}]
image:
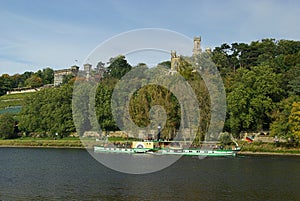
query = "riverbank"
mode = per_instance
[
  {"x": 47, "y": 143},
  {"x": 247, "y": 148},
  {"x": 268, "y": 153},
  {"x": 264, "y": 148}
]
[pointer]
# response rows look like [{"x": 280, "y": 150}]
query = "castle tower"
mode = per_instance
[
  {"x": 87, "y": 69},
  {"x": 197, "y": 46},
  {"x": 174, "y": 62}
]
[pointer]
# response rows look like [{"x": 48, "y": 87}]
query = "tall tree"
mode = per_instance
[
  {"x": 33, "y": 82},
  {"x": 118, "y": 67},
  {"x": 7, "y": 123},
  {"x": 47, "y": 76},
  {"x": 294, "y": 120}
]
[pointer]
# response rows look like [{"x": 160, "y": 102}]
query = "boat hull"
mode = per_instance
[
  {"x": 99, "y": 149},
  {"x": 199, "y": 152},
  {"x": 185, "y": 152}
]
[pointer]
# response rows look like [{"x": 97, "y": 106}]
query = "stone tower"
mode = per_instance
[
  {"x": 174, "y": 62},
  {"x": 87, "y": 69},
  {"x": 197, "y": 46}
]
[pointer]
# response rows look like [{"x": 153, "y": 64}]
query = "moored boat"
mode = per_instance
[{"x": 163, "y": 148}]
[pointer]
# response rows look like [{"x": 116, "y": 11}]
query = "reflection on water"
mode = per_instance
[{"x": 71, "y": 174}]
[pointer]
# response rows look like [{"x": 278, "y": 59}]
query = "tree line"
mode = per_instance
[
  {"x": 26, "y": 80},
  {"x": 262, "y": 83}
]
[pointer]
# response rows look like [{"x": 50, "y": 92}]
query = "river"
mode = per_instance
[{"x": 73, "y": 174}]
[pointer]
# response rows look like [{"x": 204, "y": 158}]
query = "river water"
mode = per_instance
[{"x": 73, "y": 174}]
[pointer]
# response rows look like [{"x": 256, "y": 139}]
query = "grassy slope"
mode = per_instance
[{"x": 11, "y": 100}]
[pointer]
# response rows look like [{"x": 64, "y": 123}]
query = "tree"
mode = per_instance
[
  {"x": 47, "y": 76},
  {"x": 48, "y": 111},
  {"x": 294, "y": 120},
  {"x": 292, "y": 77},
  {"x": 118, "y": 67},
  {"x": 166, "y": 64},
  {"x": 67, "y": 78},
  {"x": 251, "y": 97},
  {"x": 100, "y": 66},
  {"x": 81, "y": 102},
  {"x": 103, "y": 104},
  {"x": 34, "y": 81},
  {"x": 6, "y": 83},
  {"x": 7, "y": 123}
]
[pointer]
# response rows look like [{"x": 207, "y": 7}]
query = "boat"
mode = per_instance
[{"x": 168, "y": 148}]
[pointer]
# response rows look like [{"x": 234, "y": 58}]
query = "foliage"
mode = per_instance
[
  {"x": 280, "y": 126},
  {"x": 34, "y": 81},
  {"x": 117, "y": 68},
  {"x": 225, "y": 138},
  {"x": 251, "y": 95},
  {"x": 261, "y": 80},
  {"x": 7, "y": 123},
  {"x": 103, "y": 104},
  {"x": 48, "y": 112},
  {"x": 82, "y": 113},
  {"x": 12, "y": 100},
  {"x": 47, "y": 76},
  {"x": 149, "y": 96},
  {"x": 68, "y": 78},
  {"x": 292, "y": 78},
  {"x": 39, "y": 78},
  {"x": 294, "y": 120}
]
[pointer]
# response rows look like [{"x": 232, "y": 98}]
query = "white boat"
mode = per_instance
[{"x": 161, "y": 149}]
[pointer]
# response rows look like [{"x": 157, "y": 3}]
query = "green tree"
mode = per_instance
[
  {"x": 6, "y": 83},
  {"x": 47, "y": 76},
  {"x": 48, "y": 111},
  {"x": 7, "y": 123},
  {"x": 81, "y": 110},
  {"x": 103, "y": 104},
  {"x": 67, "y": 78},
  {"x": 118, "y": 67},
  {"x": 251, "y": 97},
  {"x": 292, "y": 77},
  {"x": 34, "y": 81},
  {"x": 166, "y": 64},
  {"x": 294, "y": 120}
]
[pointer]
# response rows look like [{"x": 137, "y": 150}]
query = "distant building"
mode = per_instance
[{"x": 60, "y": 74}]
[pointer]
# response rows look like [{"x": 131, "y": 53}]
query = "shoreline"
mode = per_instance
[
  {"x": 41, "y": 147},
  {"x": 241, "y": 153},
  {"x": 259, "y": 153}
]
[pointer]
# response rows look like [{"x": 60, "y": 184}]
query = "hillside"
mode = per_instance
[{"x": 12, "y": 103}]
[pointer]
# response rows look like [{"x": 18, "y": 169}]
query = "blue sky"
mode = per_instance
[{"x": 36, "y": 34}]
